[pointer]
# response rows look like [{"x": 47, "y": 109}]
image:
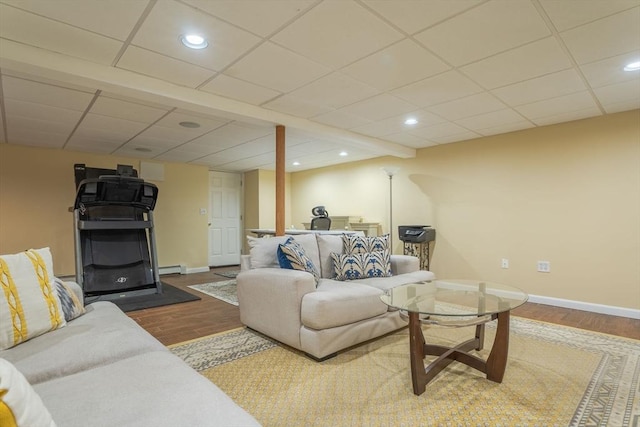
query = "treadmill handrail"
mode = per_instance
[{"x": 114, "y": 225}]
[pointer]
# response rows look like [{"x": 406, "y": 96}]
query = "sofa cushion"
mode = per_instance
[
  {"x": 362, "y": 265},
  {"x": 401, "y": 279},
  {"x": 29, "y": 304},
  {"x": 337, "y": 303},
  {"x": 20, "y": 405},
  {"x": 99, "y": 337},
  {"x": 154, "y": 389},
  {"x": 264, "y": 250},
  {"x": 291, "y": 255},
  {"x": 362, "y": 244}
]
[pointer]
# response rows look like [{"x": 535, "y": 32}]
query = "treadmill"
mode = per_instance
[{"x": 115, "y": 246}]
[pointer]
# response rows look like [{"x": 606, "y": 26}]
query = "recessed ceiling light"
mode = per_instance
[
  {"x": 194, "y": 41},
  {"x": 143, "y": 149},
  {"x": 296, "y": 163},
  {"x": 411, "y": 121},
  {"x": 634, "y": 66},
  {"x": 191, "y": 125},
  {"x": 344, "y": 153}
]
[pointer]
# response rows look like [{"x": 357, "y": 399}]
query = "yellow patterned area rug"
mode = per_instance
[{"x": 556, "y": 376}]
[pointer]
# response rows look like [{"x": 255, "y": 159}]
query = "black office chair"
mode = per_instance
[{"x": 320, "y": 220}]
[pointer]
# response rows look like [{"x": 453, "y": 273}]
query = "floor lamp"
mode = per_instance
[{"x": 391, "y": 171}]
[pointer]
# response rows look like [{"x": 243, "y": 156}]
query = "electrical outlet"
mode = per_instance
[
  {"x": 544, "y": 266},
  {"x": 505, "y": 263}
]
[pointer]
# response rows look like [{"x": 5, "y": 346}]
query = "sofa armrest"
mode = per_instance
[
  {"x": 401, "y": 264},
  {"x": 270, "y": 301}
]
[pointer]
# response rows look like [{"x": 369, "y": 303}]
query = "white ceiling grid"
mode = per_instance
[{"x": 341, "y": 75}]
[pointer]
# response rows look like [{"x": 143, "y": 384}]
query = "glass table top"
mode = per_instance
[{"x": 454, "y": 298}]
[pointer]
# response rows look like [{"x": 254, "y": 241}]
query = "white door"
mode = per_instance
[{"x": 225, "y": 190}]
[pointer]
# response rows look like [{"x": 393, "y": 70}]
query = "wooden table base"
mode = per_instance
[{"x": 493, "y": 367}]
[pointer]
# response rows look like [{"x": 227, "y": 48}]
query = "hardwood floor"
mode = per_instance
[{"x": 182, "y": 322}]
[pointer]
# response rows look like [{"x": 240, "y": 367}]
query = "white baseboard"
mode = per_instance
[
  {"x": 181, "y": 269},
  {"x": 586, "y": 306}
]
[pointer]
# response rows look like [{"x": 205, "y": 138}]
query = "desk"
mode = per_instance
[
  {"x": 262, "y": 232},
  {"x": 351, "y": 223}
]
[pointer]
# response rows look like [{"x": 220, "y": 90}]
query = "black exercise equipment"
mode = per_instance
[{"x": 115, "y": 249}]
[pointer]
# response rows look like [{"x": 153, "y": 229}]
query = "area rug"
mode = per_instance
[
  {"x": 170, "y": 295},
  {"x": 556, "y": 376},
  {"x": 225, "y": 290},
  {"x": 229, "y": 274}
]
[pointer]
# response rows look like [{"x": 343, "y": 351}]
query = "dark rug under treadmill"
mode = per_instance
[{"x": 170, "y": 295}]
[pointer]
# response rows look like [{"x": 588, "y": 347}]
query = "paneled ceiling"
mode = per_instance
[{"x": 112, "y": 76}]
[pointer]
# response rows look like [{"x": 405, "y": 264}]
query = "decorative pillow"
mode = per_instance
[
  {"x": 361, "y": 244},
  {"x": 292, "y": 256},
  {"x": 71, "y": 306},
  {"x": 360, "y": 266},
  {"x": 29, "y": 304},
  {"x": 264, "y": 251},
  {"x": 20, "y": 405}
]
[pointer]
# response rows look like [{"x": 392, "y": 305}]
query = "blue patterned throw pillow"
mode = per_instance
[
  {"x": 361, "y": 244},
  {"x": 292, "y": 256},
  {"x": 360, "y": 266}
]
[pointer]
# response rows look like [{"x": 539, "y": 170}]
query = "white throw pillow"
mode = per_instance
[
  {"x": 20, "y": 405},
  {"x": 29, "y": 303}
]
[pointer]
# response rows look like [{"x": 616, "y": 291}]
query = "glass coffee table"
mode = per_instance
[{"x": 455, "y": 303}]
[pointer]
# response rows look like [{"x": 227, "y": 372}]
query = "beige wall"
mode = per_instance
[
  {"x": 37, "y": 189},
  {"x": 568, "y": 194}
]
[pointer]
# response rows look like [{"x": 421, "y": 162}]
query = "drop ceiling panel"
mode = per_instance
[
  {"x": 40, "y": 93},
  {"x": 113, "y": 18},
  {"x": 45, "y": 126},
  {"x": 610, "y": 70},
  {"x": 43, "y": 112},
  {"x": 161, "y": 133},
  {"x": 36, "y": 137},
  {"x": 225, "y": 137},
  {"x": 169, "y": 20},
  {"x": 524, "y": 63},
  {"x": 548, "y": 86},
  {"x": 258, "y": 16},
  {"x": 34, "y": 30},
  {"x": 107, "y": 106},
  {"x": 493, "y": 27},
  {"x": 437, "y": 133},
  {"x": 410, "y": 140},
  {"x": 178, "y": 155},
  {"x": 239, "y": 90},
  {"x": 207, "y": 124},
  {"x": 335, "y": 90},
  {"x": 466, "y": 107},
  {"x": 340, "y": 119},
  {"x": 435, "y": 90},
  {"x": 616, "y": 34},
  {"x": 336, "y": 33},
  {"x": 580, "y": 102},
  {"x": 276, "y": 68},
  {"x": 494, "y": 119},
  {"x": 412, "y": 16},
  {"x": 92, "y": 145},
  {"x": 120, "y": 128},
  {"x": 379, "y": 107},
  {"x": 397, "y": 65},
  {"x": 565, "y": 14},
  {"x": 628, "y": 91},
  {"x": 163, "y": 67},
  {"x": 296, "y": 106},
  {"x": 396, "y": 124}
]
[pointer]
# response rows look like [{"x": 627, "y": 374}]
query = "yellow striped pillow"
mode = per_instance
[{"x": 29, "y": 304}]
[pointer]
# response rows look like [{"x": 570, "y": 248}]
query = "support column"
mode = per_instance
[{"x": 280, "y": 189}]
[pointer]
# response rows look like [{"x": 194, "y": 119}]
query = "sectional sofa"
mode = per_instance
[
  {"x": 334, "y": 310},
  {"x": 103, "y": 369}
]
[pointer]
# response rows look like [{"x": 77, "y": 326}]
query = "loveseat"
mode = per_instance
[
  {"x": 101, "y": 369},
  {"x": 322, "y": 315}
]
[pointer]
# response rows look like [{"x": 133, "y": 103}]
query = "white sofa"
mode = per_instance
[
  {"x": 320, "y": 320},
  {"x": 103, "y": 369}
]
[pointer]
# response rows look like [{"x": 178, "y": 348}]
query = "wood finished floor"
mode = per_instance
[{"x": 182, "y": 322}]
